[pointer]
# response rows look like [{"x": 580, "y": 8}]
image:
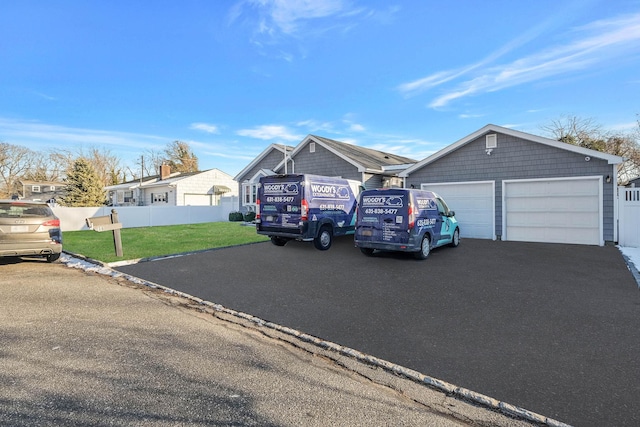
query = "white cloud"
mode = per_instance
[
  {"x": 205, "y": 127},
  {"x": 35, "y": 134},
  {"x": 268, "y": 132},
  {"x": 596, "y": 43}
]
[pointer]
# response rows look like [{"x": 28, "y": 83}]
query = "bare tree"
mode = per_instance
[
  {"x": 589, "y": 134},
  {"x": 15, "y": 162},
  {"x": 106, "y": 165},
  {"x": 180, "y": 157}
]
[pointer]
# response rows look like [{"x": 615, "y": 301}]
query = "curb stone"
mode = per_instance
[{"x": 75, "y": 261}]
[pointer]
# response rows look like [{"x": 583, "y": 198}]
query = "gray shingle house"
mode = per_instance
[
  {"x": 510, "y": 185},
  {"x": 322, "y": 156}
]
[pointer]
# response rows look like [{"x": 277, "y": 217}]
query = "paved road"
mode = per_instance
[
  {"x": 551, "y": 328},
  {"x": 84, "y": 350}
]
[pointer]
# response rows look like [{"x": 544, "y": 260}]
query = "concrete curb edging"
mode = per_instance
[{"x": 75, "y": 261}]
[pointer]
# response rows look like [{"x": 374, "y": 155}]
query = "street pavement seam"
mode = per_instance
[{"x": 78, "y": 261}]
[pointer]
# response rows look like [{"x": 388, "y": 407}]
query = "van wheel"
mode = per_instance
[
  {"x": 367, "y": 251},
  {"x": 425, "y": 248},
  {"x": 324, "y": 239},
  {"x": 456, "y": 238},
  {"x": 278, "y": 241}
]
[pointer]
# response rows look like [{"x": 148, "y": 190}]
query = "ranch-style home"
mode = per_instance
[
  {"x": 204, "y": 188},
  {"x": 321, "y": 156},
  {"x": 510, "y": 185},
  {"x": 502, "y": 183}
]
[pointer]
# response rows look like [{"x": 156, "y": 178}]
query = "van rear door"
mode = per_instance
[
  {"x": 280, "y": 203},
  {"x": 383, "y": 216}
]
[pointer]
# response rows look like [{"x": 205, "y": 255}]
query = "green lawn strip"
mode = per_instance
[{"x": 147, "y": 242}]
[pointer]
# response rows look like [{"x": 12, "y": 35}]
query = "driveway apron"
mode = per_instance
[{"x": 552, "y": 328}]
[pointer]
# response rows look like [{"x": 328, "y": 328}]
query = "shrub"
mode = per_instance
[
  {"x": 249, "y": 216},
  {"x": 236, "y": 216}
]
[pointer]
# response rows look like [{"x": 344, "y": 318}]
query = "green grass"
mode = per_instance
[{"x": 157, "y": 241}]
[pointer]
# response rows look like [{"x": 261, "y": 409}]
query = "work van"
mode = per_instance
[
  {"x": 402, "y": 219},
  {"x": 305, "y": 207}
]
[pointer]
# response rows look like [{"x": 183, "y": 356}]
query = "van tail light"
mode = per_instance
[
  {"x": 258, "y": 209},
  {"x": 412, "y": 217},
  {"x": 304, "y": 210},
  {"x": 51, "y": 223}
]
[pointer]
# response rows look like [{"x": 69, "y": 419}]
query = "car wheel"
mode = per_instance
[
  {"x": 278, "y": 241},
  {"x": 367, "y": 251},
  {"x": 425, "y": 248},
  {"x": 456, "y": 238},
  {"x": 52, "y": 257},
  {"x": 324, "y": 239}
]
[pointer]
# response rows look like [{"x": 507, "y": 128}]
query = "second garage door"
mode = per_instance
[
  {"x": 473, "y": 203},
  {"x": 553, "y": 210}
]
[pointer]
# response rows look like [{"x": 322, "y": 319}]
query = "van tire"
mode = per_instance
[
  {"x": 278, "y": 241},
  {"x": 324, "y": 239},
  {"x": 455, "y": 241},
  {"x": 425, "y": 248},
  {"x": 367, "y": 251}
]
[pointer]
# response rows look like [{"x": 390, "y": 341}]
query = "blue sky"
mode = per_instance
[{"x": 232, "y": 77}]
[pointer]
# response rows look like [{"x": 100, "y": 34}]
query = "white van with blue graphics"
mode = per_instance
[
  {"x": 305, "y": 207},
  {"x": 407, "y": 220}
]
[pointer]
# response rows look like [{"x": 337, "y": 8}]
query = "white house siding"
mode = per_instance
[
  {"x": 203, "y": 184},
  {"x": 518, "y": 158}
]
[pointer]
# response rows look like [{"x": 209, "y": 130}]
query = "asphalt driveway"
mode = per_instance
[{"x": 551, "y": 328}]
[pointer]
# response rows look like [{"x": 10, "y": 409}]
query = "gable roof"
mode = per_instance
[
  {"x": 365, "y": 159},
  {"x": 154, "y": 180},
  {"x": 610, "y": 158},
  {"x": 265, "y": 153}
]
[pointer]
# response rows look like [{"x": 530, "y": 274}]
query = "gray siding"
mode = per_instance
[
  {"x": 372, "y": 181},
  {"x": 324, "y": 162},
  {"x": 516, "y": 158}
]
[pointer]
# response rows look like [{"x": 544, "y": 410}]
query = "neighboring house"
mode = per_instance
[
  {"x": 510, "y": 185},
  {"x": 634, "y": 182},
  {"x": 174, "y": 189},
  {"x": 322, "y": 156},
  {"x": 40, "y": 190}
]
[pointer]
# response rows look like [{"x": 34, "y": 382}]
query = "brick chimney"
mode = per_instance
[{"x": 165, "y": 171}]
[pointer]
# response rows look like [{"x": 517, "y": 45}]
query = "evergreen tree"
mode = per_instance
[{"x": 84, "y": 187}]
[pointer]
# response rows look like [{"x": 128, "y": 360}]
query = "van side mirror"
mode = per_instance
[{"x": 451, "y": 214}]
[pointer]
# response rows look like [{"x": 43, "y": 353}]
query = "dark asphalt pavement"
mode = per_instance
[{"x": 552, "y": 328}]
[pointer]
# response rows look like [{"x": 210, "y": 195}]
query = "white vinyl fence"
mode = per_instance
[
  {"x": 629, "y": 217},
  {"x": 74, "y": 219}
]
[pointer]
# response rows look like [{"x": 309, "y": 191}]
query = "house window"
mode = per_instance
[
  {"x": 35, "y": 188},
  {"x": 128, "y": 196},
  {"x": 246, "y": 191},
  {"x": 312, "y": 147},
  {"x": 250, "y": 193},
  {"x": 160, "y": 197}
]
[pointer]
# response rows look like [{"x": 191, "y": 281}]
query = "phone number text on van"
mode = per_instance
[
  {"x": 381, "y": 211},
  {"x": 280, "y": 199},
  {"x": 331, "y": 207}
]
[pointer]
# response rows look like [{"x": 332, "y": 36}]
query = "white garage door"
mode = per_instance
[
  {"x": 473, "y": 203},
  {"x": 553, "y": 210}
]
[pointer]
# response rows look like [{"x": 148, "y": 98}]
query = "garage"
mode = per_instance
[
  {"x": 473, "y": 203},
  {"x": 560, "y": 210}
]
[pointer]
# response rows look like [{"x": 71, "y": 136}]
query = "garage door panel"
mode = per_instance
[
  {"x": 473, "y": 203},
  {"x": 556, "y": 211}
]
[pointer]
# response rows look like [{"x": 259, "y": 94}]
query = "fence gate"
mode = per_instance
[{"x": 629, "y": 217}]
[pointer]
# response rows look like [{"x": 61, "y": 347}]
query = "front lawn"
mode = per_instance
[{"x": 157, "y": 241}]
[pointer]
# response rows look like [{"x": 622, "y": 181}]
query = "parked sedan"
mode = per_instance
[{"x": 29, "y": 229}]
